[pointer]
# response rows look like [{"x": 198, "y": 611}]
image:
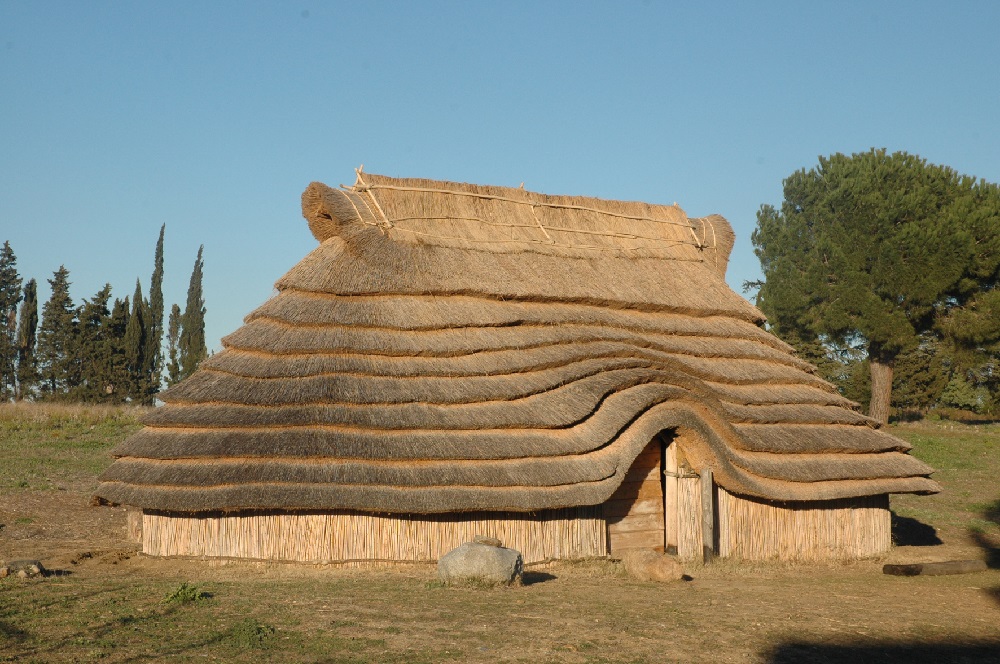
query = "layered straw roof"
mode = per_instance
[{"x": 452, "y": 347}]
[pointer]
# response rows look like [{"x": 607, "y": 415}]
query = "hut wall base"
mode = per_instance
[
  {"x": 357, "y": 538},
  {"x": 846, "y": 529}
]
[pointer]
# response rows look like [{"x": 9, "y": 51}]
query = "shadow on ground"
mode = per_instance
[
  {"x": 989, "y": 546},
  {"x": 990, "y": 513},
  {"x": 911, "y": 532},
  {"x": 531, "y": 578},
  {"x": 886, "y": 653}
]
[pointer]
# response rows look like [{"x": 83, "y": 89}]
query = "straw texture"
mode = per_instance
[
  {"x": 453, "y": 348},
  {"x": 361, "y": 538}
]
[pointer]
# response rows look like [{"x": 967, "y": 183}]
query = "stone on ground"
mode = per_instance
[
  {"x": 475, "y": 562},
  {"x": 649, "y": 565},
  {"x": 22, "y": 568}
]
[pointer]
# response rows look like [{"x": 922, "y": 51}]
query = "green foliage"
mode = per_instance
[
  {"x": 250, "y": 633},
  {"x": 191, "y": 346},
  {"x": 921, "y": 373},
  {"x": 173, "y": 340},
  {"x": 136, "y": 351},
  {"x": 184, "y": 594},
  {"x": 118, "y": 381},
  {"x": 877, "y": 248},
  {"x": 93, "y": 348},
  {"x": 843, "y": 365},
  {"x": 27, "y": 328},
  {"x": 10, "y": 296},
  {"x": 56, "y": 339},
  {"x": 959, "y": 394},
  {"x": 94, "y": 353},
  {"x": 154, "y": 329}
]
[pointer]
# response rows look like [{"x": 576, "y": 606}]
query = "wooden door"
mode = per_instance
[{"x": 634, "y": 513}]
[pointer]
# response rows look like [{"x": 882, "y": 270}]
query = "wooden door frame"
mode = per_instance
[{"x": 668, "y": 474}]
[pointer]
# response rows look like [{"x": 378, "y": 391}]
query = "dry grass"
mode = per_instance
[{"x": 54, "y": 413}]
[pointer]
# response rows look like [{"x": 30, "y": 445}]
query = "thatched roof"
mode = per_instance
[{"x": 457, "y": 347}]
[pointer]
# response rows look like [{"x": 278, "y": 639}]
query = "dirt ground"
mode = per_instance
[{"x": 105, "y": 601}]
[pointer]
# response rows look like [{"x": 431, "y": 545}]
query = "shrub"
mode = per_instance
[
  {"x": 249, "y": 633},
  {"x": 185, "y": 593}
]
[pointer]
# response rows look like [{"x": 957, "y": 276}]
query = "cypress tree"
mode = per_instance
[
  {"x": 93, "y": 348},
  {"x": 10, "y": 296},
  {"x": 27, "y": 371},
  {"x": 154, "y": 329},
  {"x": 56, "y": 338},
  {"x": 135, "y": 347},
  {"x": 192, "y": 340},
  {"x": 118, "y": 384},
  {"x": 173, "y": 339}
]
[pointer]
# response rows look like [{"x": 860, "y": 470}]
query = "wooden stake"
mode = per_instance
[
  {"x": 670, "y": 499},
  {"x": 936, "y": 569},
  {"x": 707, "y": 516}
]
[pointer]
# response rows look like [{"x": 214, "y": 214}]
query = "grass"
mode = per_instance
[
  {"x": 116, "y": 608},
  {"x": 966, "y": 459},
  {"x": 54, "y": 446},
  {"x": 185, "y": 593}
]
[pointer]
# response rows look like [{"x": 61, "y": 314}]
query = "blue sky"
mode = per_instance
[{"x": 212, "y": 117}]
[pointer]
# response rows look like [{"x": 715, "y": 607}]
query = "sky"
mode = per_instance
[{"x": 213, "y": 117}]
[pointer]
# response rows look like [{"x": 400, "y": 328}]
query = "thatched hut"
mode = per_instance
[{"x": 568, "y": 374}]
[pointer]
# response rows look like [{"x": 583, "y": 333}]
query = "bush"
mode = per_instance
[
  {"x": 184, "y": 594},
  {"x": 249, "y": 633}
]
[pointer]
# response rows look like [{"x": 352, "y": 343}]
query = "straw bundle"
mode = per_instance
[{"x": 452, "y": 348}]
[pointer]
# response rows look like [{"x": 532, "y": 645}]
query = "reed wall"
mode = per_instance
[
  {"x": 845, "y": 529},
  {"x": 745, "y": 528},
  {"x": 352, "y": 537},
  {"x": 689, "y": 518}
]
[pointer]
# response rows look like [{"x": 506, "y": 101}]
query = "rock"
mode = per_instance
[
  {"x": 25, "y": 568},
  {"x": 481, "y": 563},
  {"x": 488, "y": 541},
  {"x": 649, "y": 565},
  {"x": 4, "y": 572}
]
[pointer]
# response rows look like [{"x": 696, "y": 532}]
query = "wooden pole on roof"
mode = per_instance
[{"x": 707, "y": 516}]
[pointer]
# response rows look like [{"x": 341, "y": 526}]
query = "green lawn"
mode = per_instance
[{"x": 966, "y": 460}]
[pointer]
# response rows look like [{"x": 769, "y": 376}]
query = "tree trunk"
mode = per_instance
[{"x": 881, "y": 369}]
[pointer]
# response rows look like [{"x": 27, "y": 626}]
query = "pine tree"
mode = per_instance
[
  {"x": 871, "y": 249},
  {"x": 56, "y": 338},
  {"x": 27, "y": 369},
  {"x": 920, "y": 375},
  {"x": 173, "y": 340},
  {"x": 135, "y": 347},
  {"x": 192, "y": 340},
  {"x": 958, "y": 393},
  {"x": 154, "y": 329},
  {"x": 118, "y": 384},
  {"x": 93, "y": 348},
  {"x": 10, "y": 296}
]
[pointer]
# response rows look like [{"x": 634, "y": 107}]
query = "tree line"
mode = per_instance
[
  {"x": 884, "y": 271},
  {"x": 99, "y": 350}
]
